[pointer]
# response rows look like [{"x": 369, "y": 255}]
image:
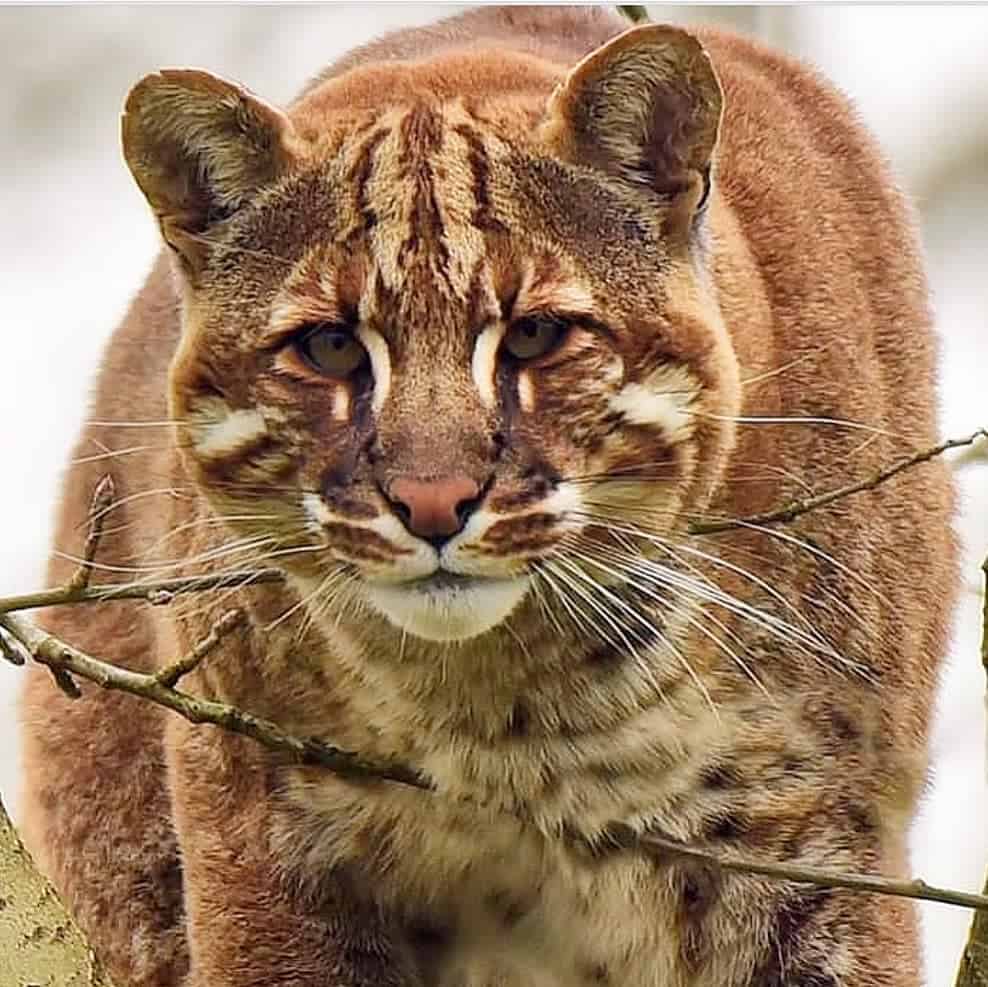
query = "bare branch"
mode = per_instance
[
  {"x": 55, "y": 654},
  {"x": 783, "y": 515},
  {"x": 62, "y": 658},
  {"x": 915, "y": 888},
  {"x": 159, "y": 592},
  {"x": 101, "y": 502},
  {"x": 170, "y": 674},
  {"x": 10, "y": 649}
]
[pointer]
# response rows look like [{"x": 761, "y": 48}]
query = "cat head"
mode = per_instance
[{"x": 448, "y": 325}]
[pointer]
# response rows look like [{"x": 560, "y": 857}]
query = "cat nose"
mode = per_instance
[{"x": 434, "y": 509}]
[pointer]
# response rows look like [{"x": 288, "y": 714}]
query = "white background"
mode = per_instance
[{"x": 76, "y": 241}]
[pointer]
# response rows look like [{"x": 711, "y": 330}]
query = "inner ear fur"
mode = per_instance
[
  {"x": 644, "y": 108},
  {"x": 199, "y": 147}
]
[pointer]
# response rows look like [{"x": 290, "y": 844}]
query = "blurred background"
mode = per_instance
[{"x": 76, "y": 241}]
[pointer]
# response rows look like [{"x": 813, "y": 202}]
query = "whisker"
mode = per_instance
[
  {"x": 793, "y": 420},
  {"x": 110, "y": 454},
  {"x": 106, "y": 423},
  {"x": 758, "y": 378},
  {"x": 325, "y": 583},
  {"x": 627, "y": 573},
  {"x": 635, "y": 614}
]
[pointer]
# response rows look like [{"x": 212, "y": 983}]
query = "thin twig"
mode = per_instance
[
  {"x": 819, "y": 876},
  {"x": 170, "y": 674},
  {"x": 977, "y": 455},
  {"x": 792, "y": 510},
  {"x": 160, "y": 591},
  {"x": 102, "y": 498},
  {"x": 64, "y": 659},
  {"x": 10, "y": 649}
]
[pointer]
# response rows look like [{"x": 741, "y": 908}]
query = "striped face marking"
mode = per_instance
[
  {"x": 414, "y": 262},
  {"x": 484, "y": 363},
  {"x": 380, "y": 359}
]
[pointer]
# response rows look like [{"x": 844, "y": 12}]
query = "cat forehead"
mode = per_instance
[{"x": 420, "y": 215}]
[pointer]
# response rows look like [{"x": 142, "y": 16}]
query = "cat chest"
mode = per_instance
[
  {"x": 559, "y": 927},
  {"x": 490, "y": 902}
]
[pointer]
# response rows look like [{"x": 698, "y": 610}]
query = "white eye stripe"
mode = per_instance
[
  {"x": 380, "y": 360},
  {"x": 484, "y": 362},
  {"x": 341, "y": 402},
  {"x": 526, "y": 392}
]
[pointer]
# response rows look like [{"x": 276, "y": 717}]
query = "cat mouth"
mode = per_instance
[
  {"x": 444, "y": 581},
  {"x": 447, "y": 606}
]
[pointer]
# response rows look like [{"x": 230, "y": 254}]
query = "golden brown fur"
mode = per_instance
[{"x": 732, "y": 335}]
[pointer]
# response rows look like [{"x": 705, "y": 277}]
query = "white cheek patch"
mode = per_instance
[
  {"x": 484, "y": 363},
  {"x": 662, "y": 400},
  {"x": 380, "y": 359},
  {"x": 317, "y": 514},
  {"x": 227, "y": 432}
]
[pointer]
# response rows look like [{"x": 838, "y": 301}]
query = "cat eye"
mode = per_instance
[
  {"x": 332, "y": 350},
  {"x": 534, "y": 336}
]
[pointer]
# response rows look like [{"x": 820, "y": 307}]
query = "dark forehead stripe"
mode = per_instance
[
  {"x": 421, "y": 139},
  {"x": 359, "y": 175},
  {"x": 480, "y": 170}
]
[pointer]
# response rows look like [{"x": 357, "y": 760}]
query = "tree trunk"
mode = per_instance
[{"x": 40, "y": 945}]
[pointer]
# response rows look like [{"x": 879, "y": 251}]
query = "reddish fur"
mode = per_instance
[{"x": 816, "y": 268}]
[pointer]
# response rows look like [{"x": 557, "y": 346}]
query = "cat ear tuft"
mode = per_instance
[
  {"x": 644, "y": 108},
  {"x": 199, "y": 147}
]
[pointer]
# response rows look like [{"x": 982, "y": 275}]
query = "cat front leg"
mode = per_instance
[{"x": 250, "y": 923}]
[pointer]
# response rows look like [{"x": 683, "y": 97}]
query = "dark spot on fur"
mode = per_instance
[
  {"x": 727, "y": 827},
  {"x": 813, "y": 978},
  {"x": 519, "y": 721},
  {"x": 781, "y": 965},
  {"x": 425, "y": 933},
  {"x": 606, "y": 770},
  {"x": 793, "y": 765},
  {"x": 596, "y": 973},
  {"x": 719, "y": 776},
  {"x": 844, "y": 728},
  {"x": 606, "y": 657},
  {"x": 697, "y": 888},
  {"x": 163, "y": 885},
  {"x": 508, "y": 910},
  {"x": 862, "y": 817}
]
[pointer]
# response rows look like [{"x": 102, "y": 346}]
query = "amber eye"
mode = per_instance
[
  {"x": 332, "y": 350},
  {"x": 534, "y": 336}
]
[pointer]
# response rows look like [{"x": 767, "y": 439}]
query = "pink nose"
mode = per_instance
[{"x": 432, "y": 508}]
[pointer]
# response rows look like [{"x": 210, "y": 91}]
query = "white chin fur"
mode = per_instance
[{"x": 448, "y": 613}]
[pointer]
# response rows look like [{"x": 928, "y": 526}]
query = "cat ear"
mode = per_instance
[
  {"x": 199, "y": 147},
  {"x": 645, "y": 108}
]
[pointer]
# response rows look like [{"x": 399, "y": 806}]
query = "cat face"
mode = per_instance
[{"x": 457, "y": 345}]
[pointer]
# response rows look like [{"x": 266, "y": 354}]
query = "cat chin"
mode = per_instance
[{"x": 443, "y": 612}]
